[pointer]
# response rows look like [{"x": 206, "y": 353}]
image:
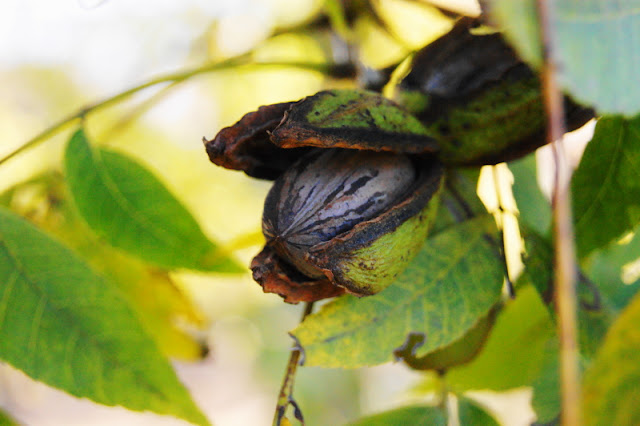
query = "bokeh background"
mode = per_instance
[{"x": 57, "y": 57}]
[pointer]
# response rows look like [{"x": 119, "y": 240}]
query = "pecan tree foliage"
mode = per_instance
[{"x": 373, "y": 205}]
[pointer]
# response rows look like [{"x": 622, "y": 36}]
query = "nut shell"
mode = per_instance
[
  {"x": 326, "y": 194},
  {"x": 322, "y": 218}
]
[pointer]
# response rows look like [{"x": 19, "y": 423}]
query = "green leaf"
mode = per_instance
[
  {"x": 520, "y": 26},
  {"x": 598, "y": 45},
  {"x": 412, "y": 415},
  {"x": 546, "y": 387},
  {"x": 64, "y": 325},
  {"x": 611, "y": 392},
  {"x": 162, "y": 306},
  {"x": 595, "y": 312},
  {"x": 616, "y": 269},
  {"x": 606, "y": 185},
  {"x": 6, "y": 420},
  {"x": 458, "y": 199},
  {"x": 456, "y": 353},
  {"x": 132, "y": 210},
  {"x": 472, "y": 413},
  {"x": 335, "y": 11},
  {"x": 534, "y": 209},
  {"x": 451, "y": 284},
  {"x": 596, "y": 42},
  {"x": 514, "y": 352},
  {"x": 538, "y": 262}
]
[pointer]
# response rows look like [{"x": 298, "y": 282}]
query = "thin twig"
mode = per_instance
[
  {"x": 243, "y": 60},
  {"x": 136, "y": 113},
  {"x": 285, "y": 398},
  {"x": 565, "y": 257}
]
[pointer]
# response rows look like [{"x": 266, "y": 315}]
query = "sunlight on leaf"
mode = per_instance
[
  {"x": 64, "y": 325},
  {"x": 160, "y": 303},
  {"x": 132, "y": 210}
]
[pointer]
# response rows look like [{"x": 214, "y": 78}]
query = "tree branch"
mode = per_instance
[
  {"x": 175, "y": 78},
  {"x": 565, "y": 257}
]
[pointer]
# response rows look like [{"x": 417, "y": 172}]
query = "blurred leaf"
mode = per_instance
[
  {"x": 514, "y": 352},
  {"x": 458, "y": 200},
  {"x": 611, "y": 392},
  {"x": 598, "y": 46},
  {"x": 518, "y": 20},
  {"x": 62, "y": 324},
  {"x": 538, "y": 263},
  {"x": 451, "y": 284},
  {"x": 616, "y": 269},
  {"x": 595, "y": 312},
  {"x": 606, "y": 185},
  {"x": 133, "y": 211},
  {"x": 534, "y": 208},
  {"x": 596, "y": 42},
  {"x": 412, "y": 415},
  {"x": 44, "y": 200},
  {"x": 546, "y": 387},
  {"x": 472, "y": 413},
  {"x": 335, "y": 12},
  {"x": 6, "y": 420}
]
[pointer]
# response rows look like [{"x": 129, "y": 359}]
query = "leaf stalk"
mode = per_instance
[{"x": 285, "y": 397}]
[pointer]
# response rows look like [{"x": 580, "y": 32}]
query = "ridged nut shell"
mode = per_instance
[{"x": 332, "y": 194}]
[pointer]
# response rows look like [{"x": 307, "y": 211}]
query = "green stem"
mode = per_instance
[
  {"x": 285, "y": 398},
  {"x": 243, "y": 60}
]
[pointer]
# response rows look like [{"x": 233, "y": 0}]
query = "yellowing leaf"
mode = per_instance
[{"x": 451, "y": 284}]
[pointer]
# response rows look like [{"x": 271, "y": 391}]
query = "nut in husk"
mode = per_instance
[
  {"x": 355, "y": 191},
  {"x": 478, "y": 99},
  {"x": 357, "y": 175},
  {"x": 354, "y": 218}
]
